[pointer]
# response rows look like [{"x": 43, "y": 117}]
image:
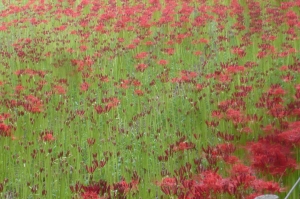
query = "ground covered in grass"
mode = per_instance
[{"x": 149, "y": 99}]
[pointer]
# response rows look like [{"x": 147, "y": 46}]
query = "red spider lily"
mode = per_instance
[
  {"x": 48, "y": 137},
  {"x": 92, "y": 189},
  {"x": 83, "y": 48},
  {"x": 139, "y": 92},
  {"x": 4, "y": 116},
  {"x": 231, "y": 159},
  {"x": 241, "y": 169},
  {"x": 229, "y": 186},
  {"x": 182, "y": 146},
  {"x": 185, "y": 76},
  {"x": 183, "y": 172},
  {"x": 90, "y": 195},
  {"x": 136, "y": 83},
  {"x": 90, "y": 169},
  {"x": 203, "y": 40},
  {"x": 199, "y": 87},
  {"x": 224, "y": 78},
  {"x": 169, "y": 185},
  {"x": 261, "y": 186},
  {"x": 271, "y": 157},
  {"x": 103, "y": 78},
  {"x": 132, "y": 46},
  {"x": 61, "y": 28},
  {"x": 141, "y": 55},
  {"x": 113, "y": 102},
  {"x": 212, "y": 123},
  {"x": 278, "y": 111},
  {"x": 84, "y": 86},
  {"x": 292, "y": 136},
  {"x": 190, "y": 74},
  {"x": 19, "y": 88},
  {"x": 33, "y": 104},
  {"x": 198, "y": 52},
  {"x": 99, "y": 164},
  {"x": 235, "y": 69},
  {"x": 283, "y": 68},
  {"x": 87, "y": 62},
  {"x": 125, "y": 83},
  {"x": 91, "y": 141},
  {"x": 77, "y": 188},
  {"x": 110, "y": 103},
  {"x": 3, "y": 28},
  {"x": 162, "y": 62},
  {"x": 246, "y": 130},
  {"x": 276, "y": 90},
  {"x": 149, "y": 43},
  {"x": 207, "y": 182},
  {"x": 99, "y": 109},
  {"x": 217, "y": 114},
  {"x": 239, "y": 51},
  {"x": 135, "y": 180},
  {"x": 169, "y": 51},
  {"x": 163, "y": 158},
  {"x": 141, "y": 67},
  {"x": 59, "y": 89},
  {"x": 5, "y": 130},
  {"x": 30, "y": 72},
  {"x": 287, "y": 78},
  {"x": 233, "y": 114},
  {"x": 268, "y": 129},
  {"x": 121, "y": 188},
  {"x": 225, "y": 149},
  {"x": 226, "y": 136}
]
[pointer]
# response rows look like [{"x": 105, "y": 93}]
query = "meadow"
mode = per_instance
[{"x": 187, "y": 99}]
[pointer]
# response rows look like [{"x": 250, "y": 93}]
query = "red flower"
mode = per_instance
[
  {"x": 203, "y": 40},
  {"x": 84, "y": 86},
  {"x": 135, "y": 180},
  {"x": 141, "y": 55},
  {"x": 292, "y": 135},
  {"x": 198, "y": 52},
  {"x": 3, "y": 28},
  {"x": 89, "y": 195},
  {"x": 276, "y": 90},
  {"x": 139, "y": 92},
  {"x": 181, "y": 146},
  {"x": 121, "y": 187},
  {"x": 19, "y": 88},
  {"x": 199, "y": 87},
  {"x": 207, "y": 182},
  {"x": 163, "y": 62},
  {"x": 271, "y": 157},
  {"x": 230, "y": 159},
  {"x": 5, "y": 130},
  {"x": 59, "y": 89},
  {"x": 33, "y": 104},
  {"x": 260, "y": 186},
  {"x": 83, "y": 48},
  {"x": 141, "y": 67},
  {"x": 48, "y": 137},
  {"x": 169, "y": 186}
]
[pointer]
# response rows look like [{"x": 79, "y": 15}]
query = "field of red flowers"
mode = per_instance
[{"x": 184, "y": 99}]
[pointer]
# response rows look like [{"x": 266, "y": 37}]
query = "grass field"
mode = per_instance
[{"x": 149, "y": 99}]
